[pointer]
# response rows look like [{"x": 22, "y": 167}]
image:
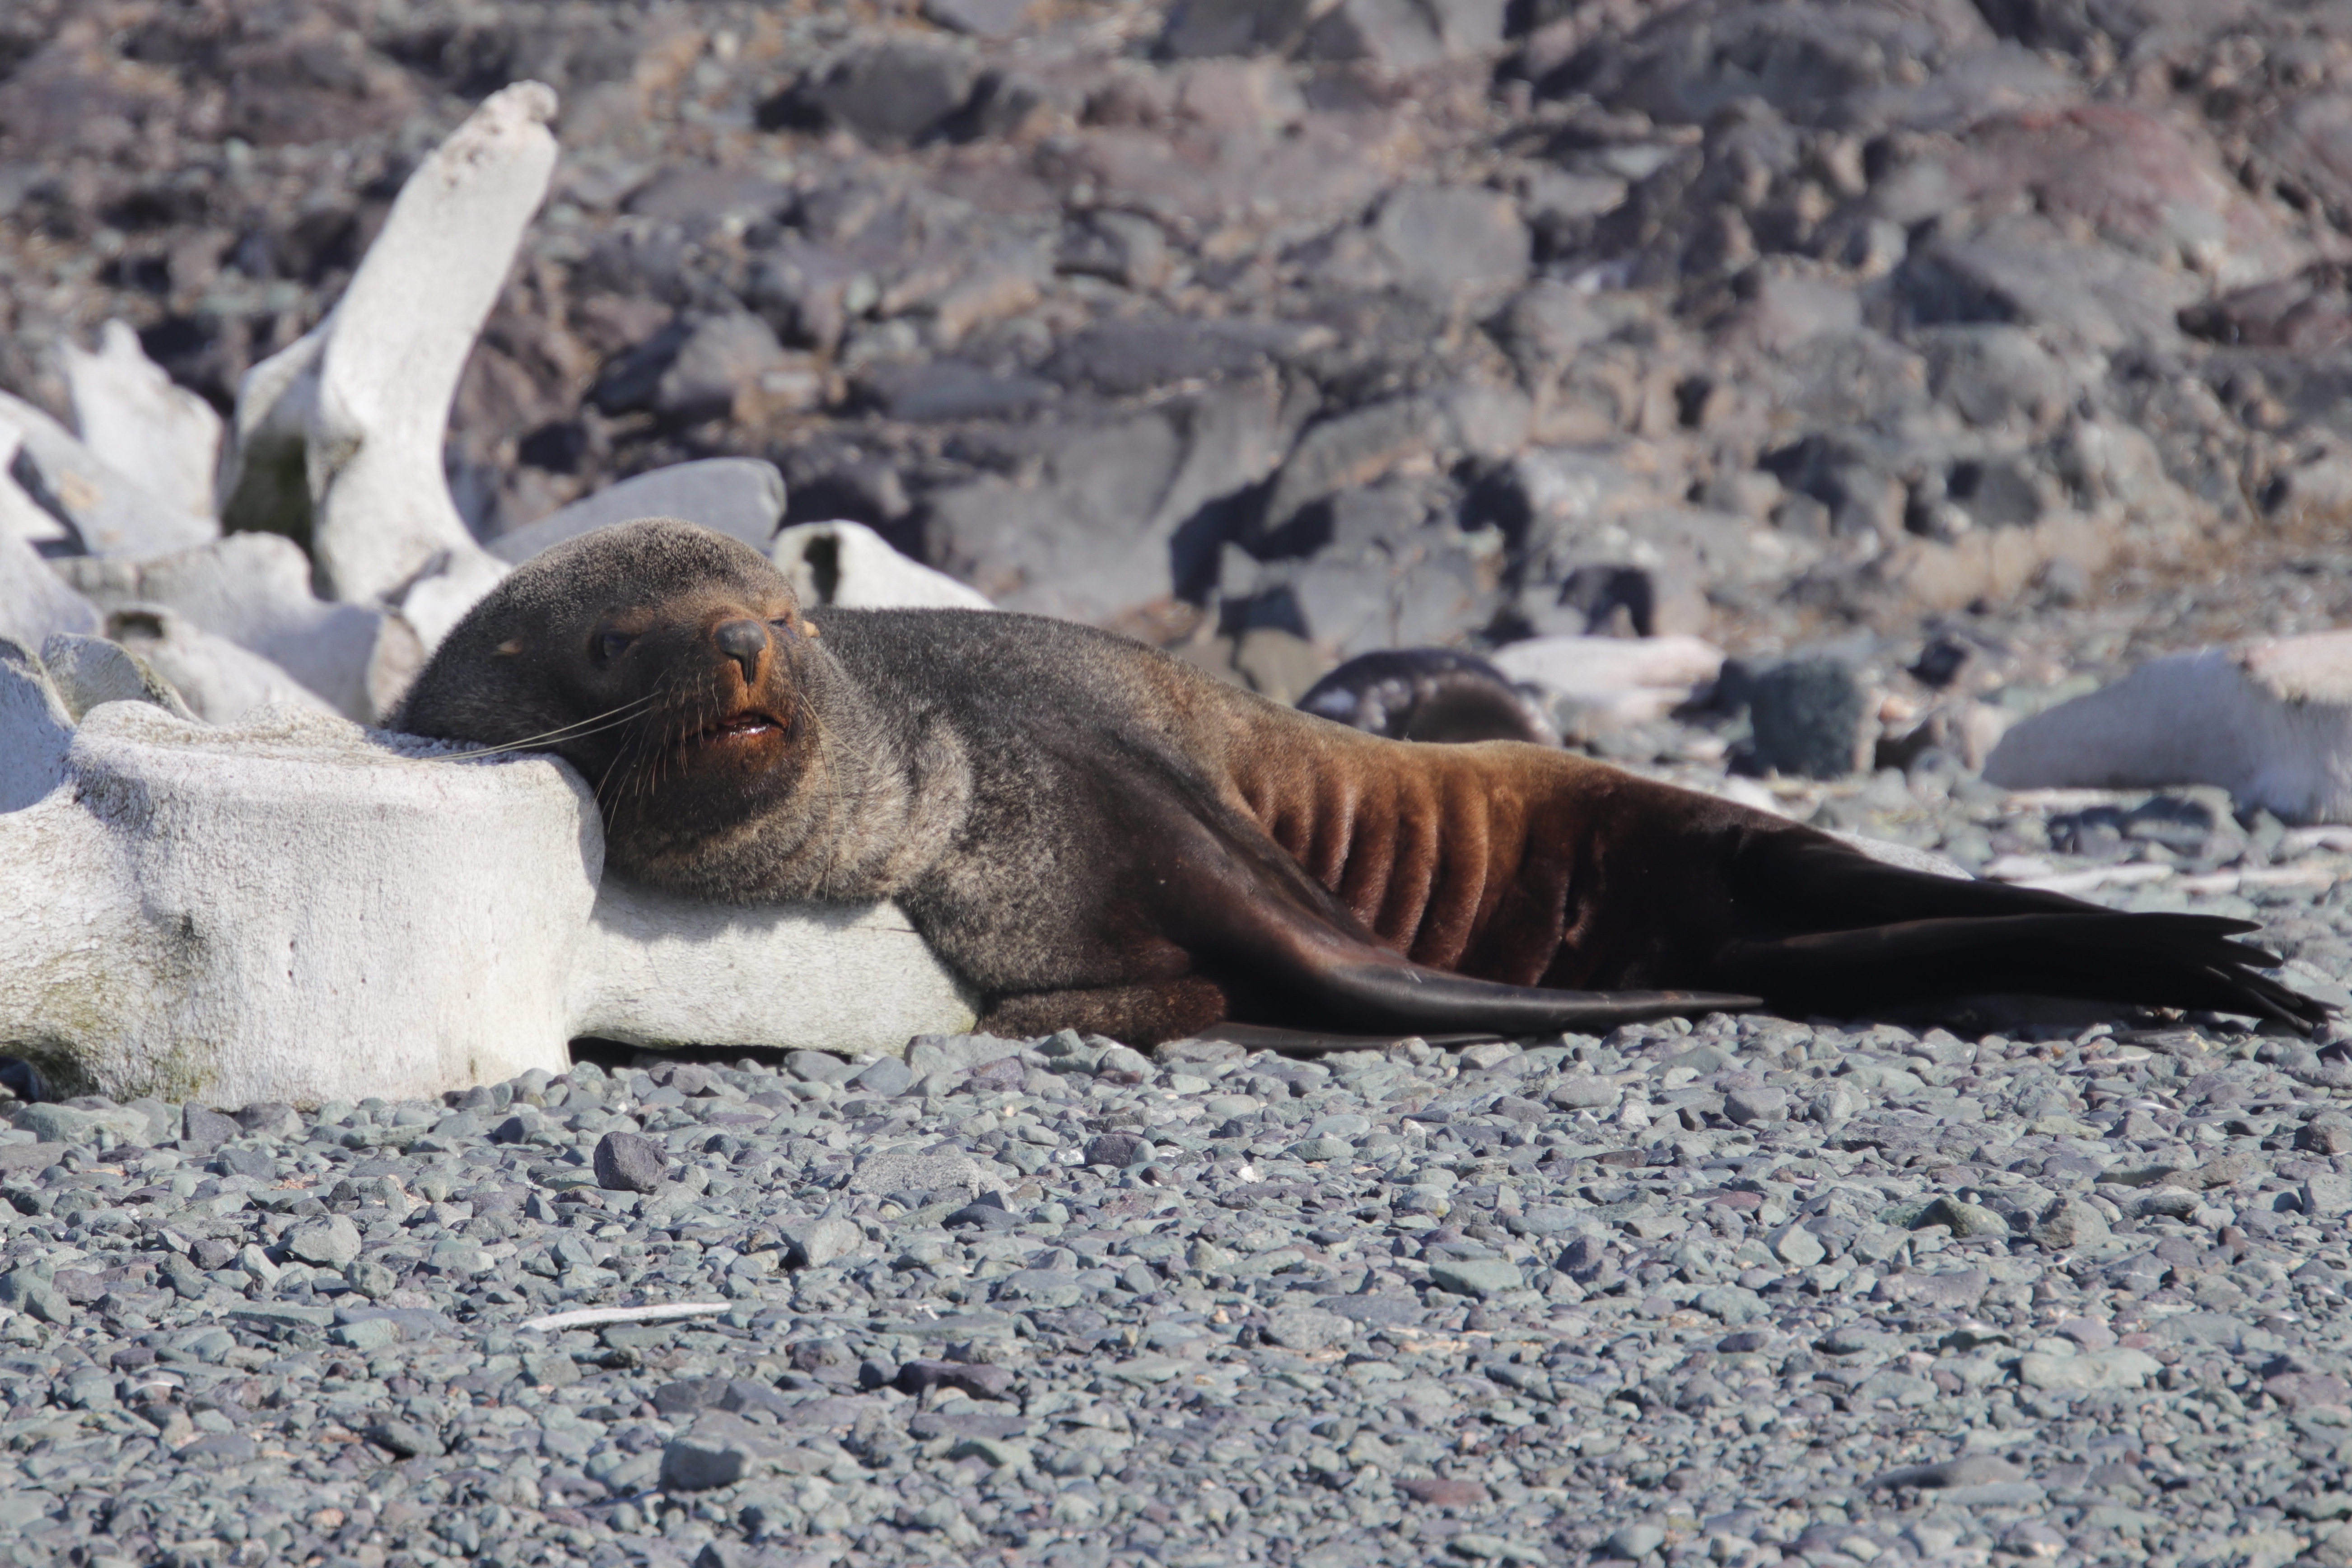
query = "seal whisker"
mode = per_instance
[{"x": 619, "y": 714}]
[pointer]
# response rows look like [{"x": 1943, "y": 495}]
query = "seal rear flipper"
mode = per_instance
[
  {"x": 2150, "y": 960},
  {"x": 1408, "y": 997}
]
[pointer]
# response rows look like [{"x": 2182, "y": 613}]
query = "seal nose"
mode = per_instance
[{"x": 744, "y": 641}]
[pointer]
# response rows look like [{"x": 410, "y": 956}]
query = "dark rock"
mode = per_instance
[
  {"x": 1376, "y": 1311},
  {"x": 723, "y": 358},
  {"x": 741, "y": 497},
  {"x": 981, "y": 18},
  {"x": 983, "y": 1214},
  {"x": 702, "y": 1459},
  {"x": 1744, "y": 1106},
  {"x": 1450, "y": 239},
  {"x": 629, "y": 1163},
  {"x": 202, "y": 1130},
  {"x": 980, "y": 1381},
  {"x": 1117, "y": 1148},
  {"x": 1126, "y": 248},
  {"x": 948, "y": 389},
  {"x": 245, "y": 1161},
  {"x": 1806, "y": 716},
  {"x": 891, "y": 94},
  {"x": 692, "y": 193},
  {"x": 1428, "y": 694},
  {"x": 1197, "y": 28},
  {"x": 1401, "y": 36},
  {"x": 632, "y": 380}
]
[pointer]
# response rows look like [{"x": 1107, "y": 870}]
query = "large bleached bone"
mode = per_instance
[
  {"x": 297, "y": 908},
  {"x": 23, "y": 519},
  {"x": 255, "y": 590},
  {"x": 108, "y": 511},
  {"x": 364, "y": 397},
  {"x": 220, "y": 681},
  {"x": 2271, "y": 722},
  {"x": 163, "y": 437},
  {"x": 1628, "y": 681},
  {"x": 36, "y": 603},
  {"x": 849, "y": 565}
]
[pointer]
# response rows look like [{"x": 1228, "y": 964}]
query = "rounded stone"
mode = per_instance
[{"x": 630, "y": 1162}]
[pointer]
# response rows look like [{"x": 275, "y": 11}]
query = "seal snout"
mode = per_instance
[{"x": 742, "y": 640}]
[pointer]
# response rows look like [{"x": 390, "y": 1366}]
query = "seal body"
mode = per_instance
[{"x": 1097, "y": 836}]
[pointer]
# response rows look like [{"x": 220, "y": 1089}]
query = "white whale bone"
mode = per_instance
[
  {"x": 111, "y": 512},
  {"x": 1618, "y": 680},
  {"x": 24, "y": 520},
  {"x": 294, "y": 908},
  {"x": 849, "y": 565},
  {"x": 2270, "y": 721},
  {"x": 220, "y": 681},
  {"x": 87, "y": 671},
  {"x": 35, "y": 602},
  {"x": 368, "y": 389},
  {"x": 255, "y": 590},
  {"x": 127, "y": 411}
]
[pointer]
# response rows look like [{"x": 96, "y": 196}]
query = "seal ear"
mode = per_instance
[{"x": 509, "y": 647}]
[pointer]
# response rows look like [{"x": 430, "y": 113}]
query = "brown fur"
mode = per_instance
[{"x": 1100, "y": 836}]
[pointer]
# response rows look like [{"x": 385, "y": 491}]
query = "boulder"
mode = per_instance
[
  {"x": 890, "y": 94},
  {"x": 741, "y": 497}
]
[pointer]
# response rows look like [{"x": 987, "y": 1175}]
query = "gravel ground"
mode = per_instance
[{"x": 1738, "y": 1291}]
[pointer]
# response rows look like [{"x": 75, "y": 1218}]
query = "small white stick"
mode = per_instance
[{"x": 596, "y": 1316}]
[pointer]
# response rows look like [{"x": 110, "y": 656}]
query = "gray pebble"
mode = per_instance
[{"x": 628, "y": 1162}]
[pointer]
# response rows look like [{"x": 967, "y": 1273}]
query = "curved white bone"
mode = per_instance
[
  {"x": 2271, "y": 722},
  {"x": 366, "y": 394}
]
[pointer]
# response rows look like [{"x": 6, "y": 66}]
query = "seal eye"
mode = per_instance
[
  {"x": 609, "y": 646},
  {"x": 787, "y": 625}
]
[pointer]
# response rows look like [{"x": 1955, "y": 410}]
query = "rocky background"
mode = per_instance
[
  {"x": 1983, "y": 349},
  {"x": 1371, "y": 324}
]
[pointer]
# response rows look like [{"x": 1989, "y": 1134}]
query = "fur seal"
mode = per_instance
[
  {"x": 1429, "y": 694},
  {"x": 1099, "y": 837}
]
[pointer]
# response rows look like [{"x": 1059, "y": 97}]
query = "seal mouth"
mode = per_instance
[{"x": 737, "y": 730}]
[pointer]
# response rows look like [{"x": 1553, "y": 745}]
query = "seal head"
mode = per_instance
[{"x": 667, "y": 663}]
